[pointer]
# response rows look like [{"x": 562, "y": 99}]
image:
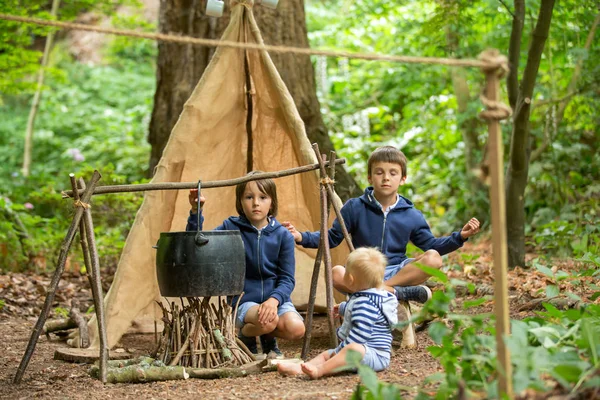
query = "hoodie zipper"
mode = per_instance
[
  {"x": 383, "y": 233},
  {"x": 262, "y": 286}
]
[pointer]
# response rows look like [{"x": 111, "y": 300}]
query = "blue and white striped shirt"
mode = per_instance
[{"x": 369, "y": 316}]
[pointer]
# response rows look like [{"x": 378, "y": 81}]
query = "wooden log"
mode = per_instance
[
  {"x": 85, "y": 356},
  {"x": 61, "y": 324},
  {"x": 205, "y": 185},
  {"x": 60, "y": 266},
  {"x": 139, "y": 374},
  {"x": 562, "y": 303},
  {"x": 81, "y": 322},
  {"x": 220, "y": 339}
]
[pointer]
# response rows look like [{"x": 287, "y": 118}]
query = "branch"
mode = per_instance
[
  {"x": 205, "y": 185},
  {"x": 507, "y": 9},
  {"x": 554, "y": 101},
  {"x": 538, "y": 152}
]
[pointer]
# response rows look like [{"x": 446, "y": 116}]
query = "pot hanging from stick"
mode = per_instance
[{"x": 200, "y": 263}]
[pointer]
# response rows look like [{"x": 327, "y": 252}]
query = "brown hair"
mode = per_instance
[
  {"x": 388, "y": 154},
  {"x": 367, "y": 265},
  {"x": 266, "y": 186}
]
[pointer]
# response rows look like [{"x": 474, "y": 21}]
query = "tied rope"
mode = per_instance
[
  {"x": 245, "y": 3},
  {"x": 452, "y": 62},
  {"x": 327, "y": 181},
  {"x": 79, "y": 203},
  {"x": 495, "y": 110}
]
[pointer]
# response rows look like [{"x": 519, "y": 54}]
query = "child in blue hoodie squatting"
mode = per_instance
[
  {"x": 382, "y": 218},
  {"x": 265, "y": 309},
  {"x": 369, "y": 317}
]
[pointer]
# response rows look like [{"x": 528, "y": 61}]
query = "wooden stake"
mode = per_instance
[
  {"x": 327, "y": 254},
  {"x": 97, "y": 293},
  {"x": 331, "y": 193},
  {"x": 60, "y": 267},
  {"x": 500, "y": 250},
  {"x": 308, "y": 324}
]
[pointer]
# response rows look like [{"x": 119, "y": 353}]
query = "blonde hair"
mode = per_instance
[{"x": 367, "y": 266}]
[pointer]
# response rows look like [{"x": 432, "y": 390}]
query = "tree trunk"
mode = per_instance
[
  {"x": 179, "y": 67},
  {"x": 518, "y": 164}
]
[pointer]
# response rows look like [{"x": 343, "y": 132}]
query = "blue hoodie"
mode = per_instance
[
  {"x": 270, "y": 259},
  {"x": 369, "y": 227}
]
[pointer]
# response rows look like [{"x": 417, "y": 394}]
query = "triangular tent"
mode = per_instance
[{"x": 210, "y": 142}]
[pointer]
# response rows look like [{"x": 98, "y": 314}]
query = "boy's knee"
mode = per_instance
[
  {"x": 296, "y": 331},
  {"x": 270, "y": 326},
  {"x": 432, "y": 259},
  {"x": 356, "y": 347}
]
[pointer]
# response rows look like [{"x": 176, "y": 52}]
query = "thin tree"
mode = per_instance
[
  {"x": 37, "y": 96},
  {"x": 520, "y": 96}
]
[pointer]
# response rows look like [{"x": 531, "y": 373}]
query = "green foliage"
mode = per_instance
[
  {"x": 90, "y": 122},
  {"x": 61, "y": 312},
  {"x": 370, "y": 388},
  {"x": 367, "y": 104}
]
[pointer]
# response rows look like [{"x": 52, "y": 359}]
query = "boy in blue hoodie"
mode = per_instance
[
  {"x": 369, "y": 317},
  {"x": 265, "y": 309},
  {"x": 382, "y": 218}
]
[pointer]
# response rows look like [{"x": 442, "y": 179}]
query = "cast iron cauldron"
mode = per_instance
[{"x": 201, "y": 263}]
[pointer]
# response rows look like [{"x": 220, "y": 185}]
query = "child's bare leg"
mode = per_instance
[
  {"x": 254, "y": 328},
  {"x": 291, "y": 369},
  {"x": 337, "y": 274},
  {"x": 330, "y": 366},
  {"x": 290, "y": 327},
  {"x": 412, "y": 275}
]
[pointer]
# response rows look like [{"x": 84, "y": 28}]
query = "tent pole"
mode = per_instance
[{"x": 311, "y": 302}]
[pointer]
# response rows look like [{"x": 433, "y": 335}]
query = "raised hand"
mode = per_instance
[
  {"x": 193, "y": 198},
  {"x": 297, "y": 235},
  {"x": 471, "y": 228}
]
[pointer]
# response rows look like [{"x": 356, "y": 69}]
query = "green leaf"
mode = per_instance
[
  {"x": 433, "y": 272},
  {"x": 552, "y": 291},
  {"x": 553, "y": 311},
  {"x": 544, "y": 270},
  {"x": 369, "y": 379},
  {"x": 567, "y": 373},
  {"x": 474, "y": 303},
  {"x": 590, "y": 331},
  {"x": 437, "y": 331}
]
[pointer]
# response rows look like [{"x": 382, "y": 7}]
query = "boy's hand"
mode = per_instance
[
  {"x": 193, "y": 198},
  {"x": 297, "y": 235},
  {"x": 470, "y": 228},
  {"x": 267, "y": 311}
]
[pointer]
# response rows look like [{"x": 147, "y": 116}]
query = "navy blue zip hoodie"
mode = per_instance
[
  {"x": 270, "y": 259},
  {"x": 369, "y": 227}
]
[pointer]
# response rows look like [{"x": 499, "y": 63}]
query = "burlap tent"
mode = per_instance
[{"x": 210, "y": 142}]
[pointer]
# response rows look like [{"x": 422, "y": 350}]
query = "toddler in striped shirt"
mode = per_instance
[{"x": 369, "y": 317}]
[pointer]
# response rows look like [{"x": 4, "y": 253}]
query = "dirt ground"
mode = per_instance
[{"x": 47, "y": 378}]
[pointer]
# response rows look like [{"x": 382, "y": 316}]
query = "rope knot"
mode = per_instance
[
  {"x": 498, "y": 62},
  {"x": 327, "y": 181},
  {"x": 79, "y": 203},
  {"x": 495, "y": 110}
]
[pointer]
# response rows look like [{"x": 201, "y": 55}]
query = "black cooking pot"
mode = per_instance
[{"x": 201, "y": 263}]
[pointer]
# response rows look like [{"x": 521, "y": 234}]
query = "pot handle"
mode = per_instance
[{"x": 200, "y": 239}]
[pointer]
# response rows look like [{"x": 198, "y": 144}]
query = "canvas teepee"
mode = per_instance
[{"x": 210, "y": 142}]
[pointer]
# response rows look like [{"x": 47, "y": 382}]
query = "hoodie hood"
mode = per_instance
[{"x": 388, "y": 304}]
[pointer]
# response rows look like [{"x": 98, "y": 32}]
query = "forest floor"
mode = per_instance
[{"x": 23, "y": 296}]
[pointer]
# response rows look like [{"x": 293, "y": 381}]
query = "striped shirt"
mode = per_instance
[{"x": 368, "y": 319}]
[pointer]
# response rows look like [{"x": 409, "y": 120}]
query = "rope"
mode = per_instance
[
  {"x": 327, "y": 181},
  {"x": 79, "y": 203},
  {"x": 453, "y": 62},
  {"x": 496, "y": 110}
]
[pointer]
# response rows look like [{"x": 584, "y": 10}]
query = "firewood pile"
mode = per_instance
[{"x": 201, "y": 335}]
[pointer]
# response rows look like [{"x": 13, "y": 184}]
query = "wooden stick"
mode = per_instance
[
  {"x": 500, "y": 251},
  {"x": 81, "y": 322},
  {"x": 51, "y": 291},
  {"x": 327, "y": 256},
  {"x": 308, "y": 324},
  {"x": 98, "y": 296},
  {"x": 205, "y": 185},
  {"x": 331, "y": 193}
]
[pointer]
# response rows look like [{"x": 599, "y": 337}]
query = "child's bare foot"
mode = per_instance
[
  {"x": 289, "y": 369},
  {"x": 310, "y": 370}
]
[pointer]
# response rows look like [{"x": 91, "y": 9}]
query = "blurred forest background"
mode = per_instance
[{"x": 98, "y": 97}]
